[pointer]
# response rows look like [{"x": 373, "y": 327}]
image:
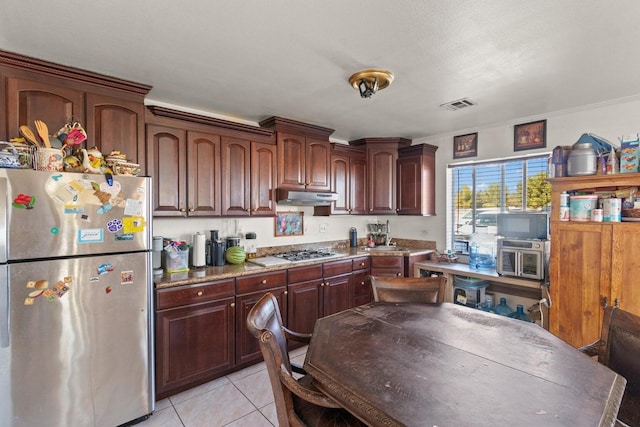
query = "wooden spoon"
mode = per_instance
[
  {"x": 43, "y": 131},
  {"x": 29, "y": 135}
]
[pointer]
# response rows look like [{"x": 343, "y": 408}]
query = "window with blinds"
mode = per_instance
[{"x": 477, "y": 192}]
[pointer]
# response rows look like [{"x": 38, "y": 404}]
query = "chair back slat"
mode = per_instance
[{"x": 426, "y": 290}]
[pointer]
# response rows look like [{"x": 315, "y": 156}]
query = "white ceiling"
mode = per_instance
[{"x": 252, "y": 59}]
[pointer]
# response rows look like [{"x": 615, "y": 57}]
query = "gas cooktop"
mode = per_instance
[
  {"x": 306, "y": 255},
  {"x": 294, "y": 257}
]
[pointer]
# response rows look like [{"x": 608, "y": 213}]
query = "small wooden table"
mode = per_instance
[{"x": 450, "y": 365}]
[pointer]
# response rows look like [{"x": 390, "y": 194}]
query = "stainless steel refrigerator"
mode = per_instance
[{"x": 76, "y": 334}]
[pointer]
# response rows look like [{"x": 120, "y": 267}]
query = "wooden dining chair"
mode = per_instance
[
  {"x": 619, "y": 349},
  {"x": 429, "y": 290},
  {"x": 298, "y": 402}
]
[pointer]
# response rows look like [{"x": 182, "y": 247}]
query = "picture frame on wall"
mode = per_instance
[
  {"x": 289, "y": 224},
  {"x": 465, "y": 146},
  {"x": 529, "y": 136}
]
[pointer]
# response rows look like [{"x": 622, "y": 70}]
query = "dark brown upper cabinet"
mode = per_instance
[{"x": 304, "y": 154}]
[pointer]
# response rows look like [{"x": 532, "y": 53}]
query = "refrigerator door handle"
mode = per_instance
[
  {"x": 4, "y": 306},
  {"x": 4, "y": 213}
]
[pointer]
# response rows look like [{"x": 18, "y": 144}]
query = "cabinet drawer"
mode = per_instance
[
  {"x": 363, "y": 263},
  {"x": 301, "y": 274},
  {"x": 335, "y": 268},
  {"x": 387, "y": 262},
  {"x": 191, "y": 294},
  {"x": 259, "y": 282}
]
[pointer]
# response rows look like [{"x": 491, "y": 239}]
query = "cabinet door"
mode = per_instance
[
  {"x": 340, "y": 184},
  {"x": 580, "y": 269},
  {"x": 416, "y": 182},
  {"x": 304, "y": 305},
  {"x": 116, "y": 124},
  {"x": 336, "y": 294},
  {"x": 236, "y": 176},
  {"x": 203, "y": 174},
  {"x": 358, "y": 186},
  {"x": 318, "y": 165},
  {"x": 263, "y": 179},
  {"x": 247, "y": 347},
  {"x": 625, "y": 268},
  {"x": 409, "y": 186},
  {"x": 193, "y": 344},
  {"x": 361, "y": 292},
  {"x": 29, "y": 100},
  {"x": 166, "y": 164},
  {"x": 291, "y": 161},
  {"x": 382, "y": 180}
]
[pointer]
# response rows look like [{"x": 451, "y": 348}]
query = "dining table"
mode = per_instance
[{"x": 402, "y": 364}]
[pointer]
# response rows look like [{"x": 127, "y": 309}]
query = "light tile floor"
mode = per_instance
[{"x": 240, "y": 399}]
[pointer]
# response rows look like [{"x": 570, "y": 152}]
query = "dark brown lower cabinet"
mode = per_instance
[
  {"x": 361, "y": 292},
  {"x": 336, "y": 287},
  {"x": 249, "y": 289},
  {"x": 304, "y": 298},
  {"x": 388, "y": 266},
  {"x": 194, "y": 335}
]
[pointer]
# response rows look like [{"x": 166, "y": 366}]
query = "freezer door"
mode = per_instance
[
  {"x": 79, "y": 343},
  {"x": 3, "y": 220},
  {"x": 53, "y": 214}
]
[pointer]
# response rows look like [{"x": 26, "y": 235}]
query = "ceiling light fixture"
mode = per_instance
[{"x": 370, "y": 81}]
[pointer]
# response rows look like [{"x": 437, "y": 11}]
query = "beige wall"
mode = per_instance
[{"x": 563, "y": 128}]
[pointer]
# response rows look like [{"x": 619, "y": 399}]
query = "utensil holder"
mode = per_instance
[{"x": 49, "y": 159}]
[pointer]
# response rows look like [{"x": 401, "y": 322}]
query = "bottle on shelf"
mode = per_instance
[
  {"x": 487, "y": 305},
  {"x": 482, "y": 249},
  {"x": 503, "y": 309},
  {"x": 612, "y": 163},
  {"x": 520, "y": 314}
]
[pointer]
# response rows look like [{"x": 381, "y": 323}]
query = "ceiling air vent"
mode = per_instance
[{"x": 458, "y": 104}]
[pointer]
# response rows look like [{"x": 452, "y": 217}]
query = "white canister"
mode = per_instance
[
  {"x": 582, "y": 160},
  {"x": 612, "y": 210},
  {"x": 596, "y": 215},
  {"x": 564, "y": 213}
]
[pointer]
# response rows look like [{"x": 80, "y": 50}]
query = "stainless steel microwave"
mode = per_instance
[
  {"x": 523, "y": 225},
  {"x": 522, "y": 258}
]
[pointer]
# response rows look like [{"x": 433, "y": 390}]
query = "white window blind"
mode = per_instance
[{"x": 476, "y": 192}]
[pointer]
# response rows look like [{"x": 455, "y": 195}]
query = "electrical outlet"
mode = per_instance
[{"x": 324, "y": 227}]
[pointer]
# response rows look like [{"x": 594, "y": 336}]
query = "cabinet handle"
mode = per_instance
[
  {"x": 616, "y": 302},
  {"x": 233, "y": 304},
  {"x": 362, "y": 264},
  {"x": 322, "y": 284},
  {"x": 399, "y": 274},
  {"x": 191, "y": 209},
  {"x": 286, "y": 292},
  {"x": 264, "y": 281},
  {"x": 605, "y": 302},
  {"x": 182, "y": 209},
  {"x": 199, "y": 293},
  {"x": 363, "y": 283},
  {"x": 248, "y": 209},
  {"x": 397, "y": 209}
]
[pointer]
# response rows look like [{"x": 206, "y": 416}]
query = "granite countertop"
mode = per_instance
[{"x": 210, "y": 273}]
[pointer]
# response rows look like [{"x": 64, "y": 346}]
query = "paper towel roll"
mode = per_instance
[{"x": 199, "y": 251}]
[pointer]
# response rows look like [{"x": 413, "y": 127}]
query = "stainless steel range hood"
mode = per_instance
[{"x": 304, "y": 198}]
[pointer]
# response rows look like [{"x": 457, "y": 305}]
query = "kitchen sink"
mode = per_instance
[{"x": 386, "y": 248}]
